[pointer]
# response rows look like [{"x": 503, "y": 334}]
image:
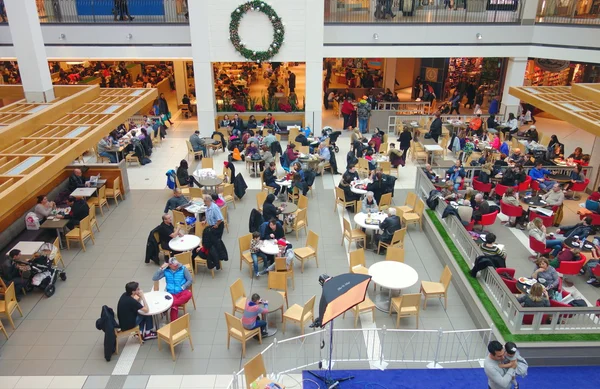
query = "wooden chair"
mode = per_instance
[
  {"x": 195, "y": 193},
  {"x": 300, "y": 222},
  {"x": 127, "y": 333},
  {"x": 406, "y": 305},
  {"x": 294, "y": 195},
  {"x": 255, "y": 372},
  {"x": 166, "y": 253},
  {"x": 303, "y": 149},
  {"x": 415, "y": 217},
  {"x": 207, "y": 163},
  {"x": 260, "y": 200},
  {"x": 132, "y": 158},
  {"x": 385, "y": 202},
  {"x": 310, "y": 250},
  {"x": 366, "y": 305},
  {"x": 264, "y": 186},
  {"x": 409, "y": 203},
  {"x": 302, "y": 204},
  {"x": 179, "y": 221},
  {"x": 9, "y": 304},
  {"x": 3, "y": 330},
  {"x": 363, "y": 167},
  {"x": 191, "y": 152},
  {"x": 340, "y": 199},
  {"x": 115, "y": 191},
  {"x": 352, "y": 235},
  {"x": 397, "y": 240},
  {"x": 282, "y": 267},
  {"x": 437, "y": 289},
  {"x": 81, "y": 233},
  {"x": 395, "y": 254},
  {"x": 228, "y": 194},
  {"x": 383, "y": 149},
  {"x": 57, "y": 255},
  {"x": 278, "y": 282},
  {"x": 175, "y": 333},
  {"x": 100, "y": 200},
  {"x": 386, "y": 167},
  {"x": 99, "y": 158},
  {"x": 357, "y": 262},
  {"x": 300, "y": 314},
  {"x": 225, "y": 217},
  {"x": 185, "y": 189},
  {"x": 245, "y": 257},
  {"x": 199, "y": 262},
  {"x": 238, "y": 296},
  {"x": 93, "y": 220},
  {"x": 236, "y": 330}
]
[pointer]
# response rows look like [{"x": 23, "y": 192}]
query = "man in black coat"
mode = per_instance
[
  {"x": 291, "y": 81},
  {"x": 79, "y": 210},
  {"x": 435, "y": 129},
  {"x": 271, "y": 230},
  {"x": 480, "y": 207},
  {"x": 391, "y": 224},
  {"x": 76, "y": 180},
  {"x": 10, "y": 272},
  {"x": 237, "y": 123},
  {"x": 163, "y": 107}
]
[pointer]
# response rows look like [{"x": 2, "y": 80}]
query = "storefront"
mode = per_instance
[
  {"x": 549, "y": 72},
  {"x": 569, "y": 8},
  {"x": 354, "y": 72}
]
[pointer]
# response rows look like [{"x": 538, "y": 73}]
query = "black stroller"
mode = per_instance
[
  {"x": 42, "y": 274},
  {"x": 333, "y": 138},
  {"x": 444, "y": 108}
]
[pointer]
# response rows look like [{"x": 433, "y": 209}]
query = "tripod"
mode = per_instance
[{"x": 330, "y": 382}]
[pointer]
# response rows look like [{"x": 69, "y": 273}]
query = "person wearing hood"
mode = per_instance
[
  {"x": 178, "y": 280},
  {"x": 363, "y": 111},
  {"x": 269, "y": 210}
]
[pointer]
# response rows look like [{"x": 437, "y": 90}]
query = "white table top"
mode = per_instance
[
  {"x": 157, "y": 302},
  {"x": 83, "y": 192},
  {"x": 269, "y": 247},
  {"x": 433, "y": 147},
  {"x": 196, "y": 207},
  {"x": 393, "y": 275},
  {"x": 284, "y": 183},
  {"x": 28, "y": 248},
  {"x": 356, "y": 190},
  {"x": 184, "y": 243},
  {"x": 360, "y": 219}
]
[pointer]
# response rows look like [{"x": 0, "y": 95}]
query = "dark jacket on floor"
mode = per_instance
[{"x": 107, "y": 323}]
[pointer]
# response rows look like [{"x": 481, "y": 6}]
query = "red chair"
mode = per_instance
[
  {"x": 500, "y": 189},
  {"x": 548, "y": 221},
  {"x": 480, "y": 186},
  {"x": 512, "y": 284},
  {"x": 579, "y": 187},
  {"x": 511, "y": 210},
  {"x": 488, "y": 219},
  {"x": 538, "y": 247},
  {"x": 469, "y": 227},
  {"x": 523, "y": 186},
  {"x": 528, "y": 319},
  {"x": 535, "y": 185},
  {"x": 571, "y": 268},
  {"x": 595, "y": 218}
]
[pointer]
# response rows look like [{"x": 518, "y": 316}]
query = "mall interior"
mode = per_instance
[{"x": 193, "y": 193}]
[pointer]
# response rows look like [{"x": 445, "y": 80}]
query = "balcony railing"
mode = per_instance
[
  {"x": 423, "y": 11},
  {"x": 569, "y": 12},
  {"x": 112, "y": 11}
]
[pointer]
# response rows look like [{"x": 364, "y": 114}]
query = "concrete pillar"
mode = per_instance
[
  {"x": 515, "y": 73},
  {"x": 389, "y": 73},
  {"x": 203, "y": 73},
  {"x": 180, "y": 79},
  {"x": 315, "y": 15},
  {"x": 27, "y": 40},
  {"x": 529, "y": 12}
]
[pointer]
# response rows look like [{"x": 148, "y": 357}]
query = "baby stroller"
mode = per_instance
[
  {"x": 41, "y": 273},
  {"x": 444, "y": 108},
  {"x": 333, "y": 138}
]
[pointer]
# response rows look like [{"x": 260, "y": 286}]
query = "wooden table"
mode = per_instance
[
  {"x": 83, "y": 192},
  {"x": 287, "y": 207},
  {"x": 275, "y": 303},
  {"x": 211, "y": 183},
  {"x": 55, "y": 224},
  {"x": 392, "y": 276},
  {"x": 27, "y": 248}
]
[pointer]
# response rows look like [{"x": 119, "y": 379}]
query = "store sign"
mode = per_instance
[
  {"x": 551, "y": 65},
  {"x": 431, "y": 74}
]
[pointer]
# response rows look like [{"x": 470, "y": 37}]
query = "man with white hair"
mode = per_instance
[
  {"x": 480, "y": 207},
  {"x": 391, "y": 224},
  {"x": 214, "y": 217},
  {"x": 324, "y": 157}
]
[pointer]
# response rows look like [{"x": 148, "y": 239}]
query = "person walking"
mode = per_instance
[
  {"x": 455, "y": 102},
  {"x": 347, "y": 110},
  {"x": 291, "y": 81},
  {"x": 363, "y": 111},
  {"x": 498, "y": 377},
  {"x": 163, "y": 108}
]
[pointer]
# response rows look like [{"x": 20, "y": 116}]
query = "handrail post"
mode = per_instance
[
  {"x": 274, "y": 373},
  {"x": 436, "y": 357},
  {"x": 380, "y": 364},
  {"x": 234, "y": 381}
]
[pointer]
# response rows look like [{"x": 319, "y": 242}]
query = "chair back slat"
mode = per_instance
[
  {"x": 395, "y": 254},
  {"x": 244, "y": 242},
  {"x": 277, "y": 281},
  {"x": 357, "y": 257},
  {"x": 254, "y": 369},
  {"x": 237, "y": 290},
  {"x": 309, "y": 306},
  {"x": 180, "y": 324},
  {"x": 312, "y": 240},
  {"x": 411, "y": 199},
  {"x": 446, "y": 277},
  {"x": 84, "y": 225}
]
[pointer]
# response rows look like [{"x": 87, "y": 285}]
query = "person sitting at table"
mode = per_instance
[
  {"x": 546, "y": 274},
  {"x": 456, "y": 173},
  {"x": 178, "y": 280},
  {"x": 324, "y": 157},
  {"x": 465, "y": 212},
  {"x": 186, "y": 101},
  {"x": 489, "y": 246},
  {"x": 540, "y": 175},
  {"x": 372, "y": 163},
  {"x": 555, "y": 197},
  {"x": 495, "y": 142},
  {"x": 214, "y": 217},
  {"x": 582, "y": 229},
  {"x": 270, "y": 177},
  {"x": 536, "y": 298},
  {"x": 532, "y": 134},
  {"x": 369, "y": 204},
  {"x": 517, "y": 157},
  {"x": 352, "y": 173},
  {"x": 291, "y": 153},
  {"x": 237, "y": 123},
  {"x": 476, "y": 125},
  {"x": 270, "y": 211},
  {"x": 77, "y": 180},
  {"x": 270, "y": 138},
  {"x": 43, "y": 208},
  {"x": 252, "y": 123},
  {"x": 166, "y": 232},
  {"x": 491, "y": 122},
  {"x": 511, "y": 198},
  {"x": 255, "y": 306},
  {"x": 576, "y": 176},
  {"x": 269, "y": 122},
  {"x": 177, "y": 201},
  {"x": 448, "y": 192},
  {"x": 79, "y": 210},
  {"x": 103, "y": 146},
  {"x": 512, "y": 126},
  {"x": 551, "y": 147},
  {"x": 267, "y": 156},
  {"x": 10, "y": 272},
  {"x": 431, "y": 175},
  {"x": 577, "y": 155},
  {"x": 529, "y": 159},
  {"x": 251, "y": 150},
  {"x": 184, "y": 177},
  {"x": 226, "y": 122},
  {"x": 435, "y": 128},
  {"x": 375, "y": 142},
  {"x": 537, "y": 230},
  {"x": 298, "y": 182},
  {"x": 271, "y": 229},
  {"x": 198, "y": 143},
  {"x": 480, "y": 207},
  {"x": 566, "y": 254},
  {"x": 128, "y": 311},
  {"x": 347, "y": 188},
  {"x": 388, "y": 226},
  {"x": 302, "y": 139},
  {"x": 255, "y": 253},
  {"x": 396, "y": 156}
]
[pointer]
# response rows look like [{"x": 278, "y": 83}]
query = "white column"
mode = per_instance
[
  {"x": 315, "y": 17},
  {"x": 203, "y": 73},
  {"x": 515, "y": 73},
  {"x": 389, "y": 74},
  {"x": 529, "y": 12},
  {"x": 27, "y": 40},
  {"x": 180, "y": 79}
]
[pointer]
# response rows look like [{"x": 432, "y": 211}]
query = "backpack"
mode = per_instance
[{"x": 433, "y": 199}]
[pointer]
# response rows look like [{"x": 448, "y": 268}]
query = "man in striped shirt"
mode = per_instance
[
  {"x": 489, "y": 247},
  {"x": 251, "y": 312}
]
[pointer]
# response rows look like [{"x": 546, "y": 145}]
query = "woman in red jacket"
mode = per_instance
[{"x": 347, "y": 109}]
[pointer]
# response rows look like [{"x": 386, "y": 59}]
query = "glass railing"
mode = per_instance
[
  {"x": 112, "y": 11},
  {"x": 422, "y": 11},
  {"x": 584, "y": 12}
]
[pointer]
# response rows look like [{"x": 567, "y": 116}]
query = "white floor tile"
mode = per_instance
[{"x": 67, "y": 382}]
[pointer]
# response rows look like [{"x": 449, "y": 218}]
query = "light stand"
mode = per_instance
[{"x": 330, "y": 382}]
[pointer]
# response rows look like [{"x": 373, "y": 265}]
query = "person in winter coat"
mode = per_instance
[
  {"x": 183, "y": 175},
  {"x": 163, "y": 108},
  {"x": 363, "y": 111},
  {"x": 178, "y": 280},
  {"x": 269, "y": 210},
  {"x": 391, "y": 224},
  {"x": 405, "y": 138},
  {"x": 435, "y": 129},
  {"x": 347, "y": 110}
]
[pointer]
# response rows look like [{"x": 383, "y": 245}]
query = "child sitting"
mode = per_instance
[{"x": 255, "y": 252}]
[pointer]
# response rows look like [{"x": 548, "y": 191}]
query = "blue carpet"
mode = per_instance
[{"x": 538, "y": 377}]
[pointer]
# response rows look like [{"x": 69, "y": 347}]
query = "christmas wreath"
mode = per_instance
[{"x": 278, "y": 31}]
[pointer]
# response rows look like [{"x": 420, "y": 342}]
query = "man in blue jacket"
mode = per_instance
[
  {"x": 538, "y": 174},
  {"x": 178, "y": 280}
]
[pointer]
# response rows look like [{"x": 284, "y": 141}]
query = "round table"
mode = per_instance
[
  {"x": 157, "y": 303},
  {"x": 255, "y": 165},
  {"x": 356, "y": 190},
  {"x": 523, "y": 287},
  {"x": 287, "y": 207},
  {"x": 269, "y": 247},
  {"x": 275, "y": 300},
  {"x": 535, "y": 201},
  {"x": 391, "y": 275},
  {"x": 587, "y": 245},
  {"x": 284, "y": 183},
  {"x": 210, "y": 182},
  {"x": 361, "y": 219},
  {"x": 559, "y": 177},
  {"x": 184, "y": 243}
]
